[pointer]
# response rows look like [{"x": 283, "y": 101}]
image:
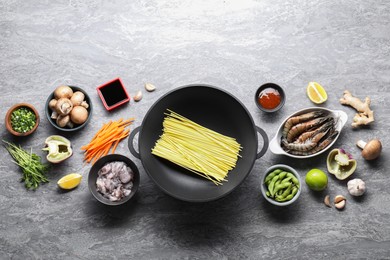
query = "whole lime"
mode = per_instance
[{"x": 316, "y": 179}]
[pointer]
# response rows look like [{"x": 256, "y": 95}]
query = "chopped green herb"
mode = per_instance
[
  {"x": 33, "y": 169},
  {"x": 23, "y": 120}
]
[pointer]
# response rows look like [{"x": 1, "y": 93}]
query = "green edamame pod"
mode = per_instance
[
  {"x": 272, "y": 184},
  {"x": 294, "y": 191},
  {"x": 286, "y": 180},
  {"x": 269, "y": 178},
  {"x": 289, "y": 174},
  {"x": 293, "y": 178},
  {"x": 278, "y": 171},
  {"x": 282, "y": 175},
  {"x": 295, "y": 181},
  {"x": 287, "y": 191},
  {"x": 271, "y": 175},
  {"x": 268, "y": 194},
  {"x": 276, "y": 183},
  {"x": 281, "y": 186},
  {"x": 288, "y": 197}
]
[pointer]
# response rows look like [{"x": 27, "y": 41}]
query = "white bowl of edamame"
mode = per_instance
[{"x": 281, "y": 185}]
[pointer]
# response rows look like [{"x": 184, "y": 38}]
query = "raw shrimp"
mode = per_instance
[
  {"x": 306, "y": 135},
  {"x": 310, "y": 143},
  {"x": 322, "y": 145},
  {"x": 305, "y": 126},
  {"x": 299, "y": 119}
]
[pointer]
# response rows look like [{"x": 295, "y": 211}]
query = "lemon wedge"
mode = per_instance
[
  {"x": 69, "y": 181},
  {"x": 316, "y": 93}
]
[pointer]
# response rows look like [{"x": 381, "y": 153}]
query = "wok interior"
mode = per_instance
[{"x": 214, "y": 109}]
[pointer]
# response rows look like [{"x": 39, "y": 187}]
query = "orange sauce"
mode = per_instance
[{"x": 269, "y": 98}]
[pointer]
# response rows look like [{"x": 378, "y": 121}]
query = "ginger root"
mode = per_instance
[{"x": 365, "y": 115}]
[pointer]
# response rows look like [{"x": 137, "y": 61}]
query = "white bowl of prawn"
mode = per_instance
[{"x": 340, "y": 119}]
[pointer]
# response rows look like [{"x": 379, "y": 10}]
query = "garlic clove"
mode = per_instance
[
  {"x": 327, "y": 201},
  {"x": 138, "y": 96},
  {"x": 340, "y": 205},
  {"x": 340, "y": 201},
  {"x": 149, "y": 87},
  {"x": 339, "y": 198}
]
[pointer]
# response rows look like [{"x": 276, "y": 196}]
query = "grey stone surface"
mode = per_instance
[{"x": 235, "y": 45}]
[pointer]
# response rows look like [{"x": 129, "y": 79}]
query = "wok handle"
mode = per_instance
[
  {"x": 265, "y": 144},
  {"x": 131, "y": 139}
]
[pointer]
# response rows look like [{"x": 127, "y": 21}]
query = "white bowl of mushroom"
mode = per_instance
[{"x": 68, "y": 108}]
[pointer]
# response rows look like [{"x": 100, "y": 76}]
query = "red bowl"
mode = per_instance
[{"x": 113, "y": 94}]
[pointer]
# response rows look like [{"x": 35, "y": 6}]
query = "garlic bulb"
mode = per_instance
[{"x": 356, "y": 187}]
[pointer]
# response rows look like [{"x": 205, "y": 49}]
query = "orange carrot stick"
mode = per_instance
[{"x": 106, "y": 138}]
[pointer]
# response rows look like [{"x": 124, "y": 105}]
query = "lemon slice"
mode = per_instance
[
  {"x": 316, "y": 93},
  {"x": 69, "y": 181}
]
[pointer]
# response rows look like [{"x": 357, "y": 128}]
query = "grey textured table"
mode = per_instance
[{"x": 235, "y": 45}]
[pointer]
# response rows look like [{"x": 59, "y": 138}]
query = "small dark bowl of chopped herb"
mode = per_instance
[{"x": 22, "y": 119}]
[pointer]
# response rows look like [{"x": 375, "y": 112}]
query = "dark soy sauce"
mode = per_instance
[{"x": 113, "y": 93}]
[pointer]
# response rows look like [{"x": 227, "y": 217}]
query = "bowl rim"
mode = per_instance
[
  {"x": 284, "y": 167},
  {"x": 274, "y": 144},
  {"x": 8, "y": 118},
  {"x": 276, "y": 87},
  {"x": 78, "y": 127},
  {"x": 111, "y": 158}
]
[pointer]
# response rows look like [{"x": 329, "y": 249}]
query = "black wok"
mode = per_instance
[{"x": 213, "y": 108}]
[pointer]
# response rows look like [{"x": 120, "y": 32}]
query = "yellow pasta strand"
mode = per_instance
[{"x": 196, "y": 148}]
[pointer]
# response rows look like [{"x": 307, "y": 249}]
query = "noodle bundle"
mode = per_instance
[{"x": 197, "y": 148}]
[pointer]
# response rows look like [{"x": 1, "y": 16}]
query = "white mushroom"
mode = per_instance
[
  {"x": 62, "y": 121},
  {"x": 356, "y": 187},
  {"x": 54, "y": 115},
  {"x": 371, "y": 150},
  {"x": 79, "y": 115},
  {"x": 84, "y": 104},
  {"x": 63, "y": 92},
  {"x": 77, "y": 98},
  {"x": 52, "y": 104},
  {"x": 63, "y": 106}
]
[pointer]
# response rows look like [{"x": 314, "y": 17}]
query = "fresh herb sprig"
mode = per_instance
[{"x": 34, "y": 171}]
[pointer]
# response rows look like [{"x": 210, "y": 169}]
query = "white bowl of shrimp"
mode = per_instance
[{"x": 308, "y": 132}]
